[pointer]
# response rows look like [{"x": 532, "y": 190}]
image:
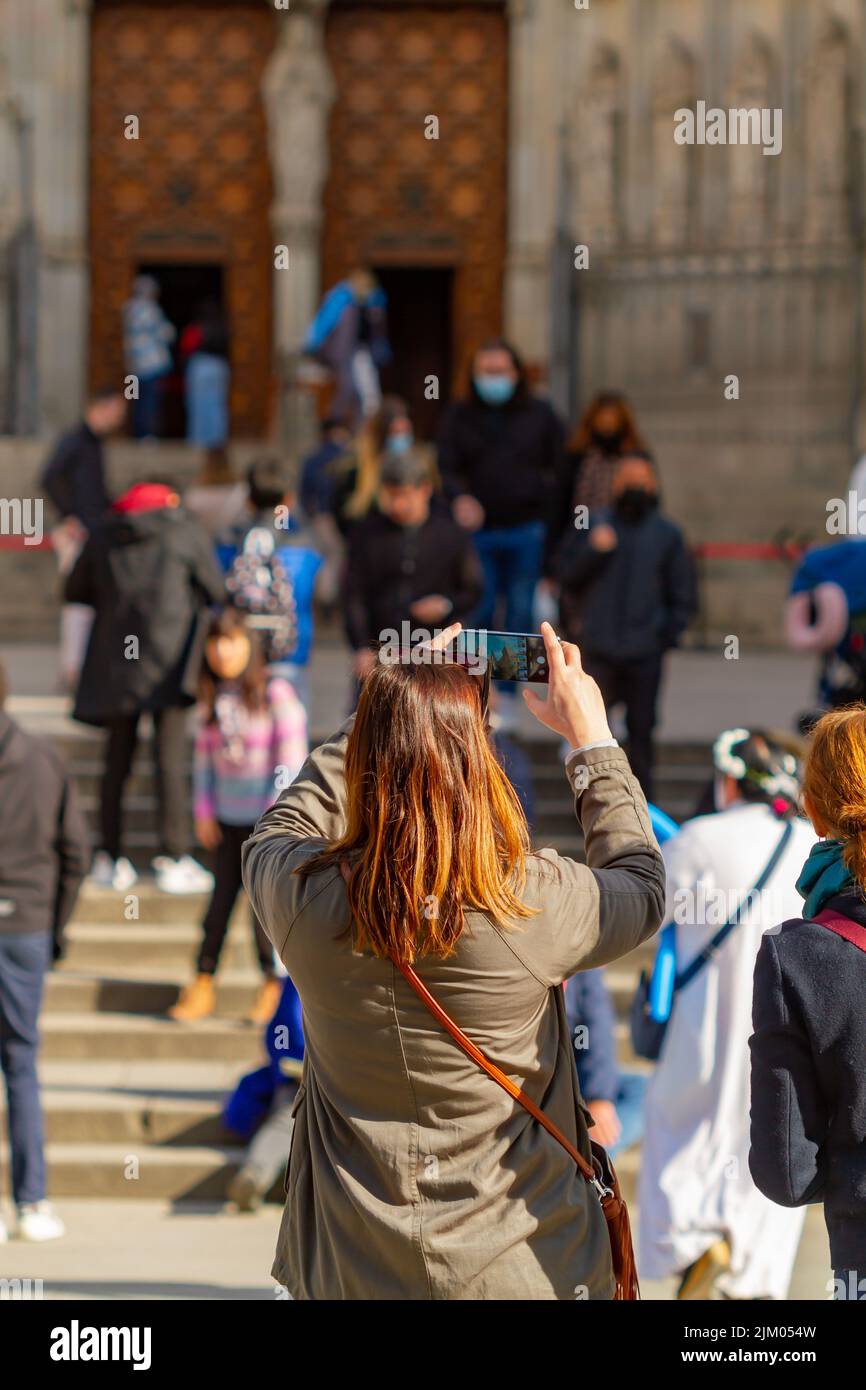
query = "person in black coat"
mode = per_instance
[
  {"x": 74, "y": 476},
  {"x": 73, "y": 480},
  {"x": 149, "y": 573},
  {"x": 627, "y": 595},
  {"x": 499, "y": 456},
  {"x": 808, "y": 1093},
  {"x": 44, "y": 854},
  {"x": 409, "y": 567}
]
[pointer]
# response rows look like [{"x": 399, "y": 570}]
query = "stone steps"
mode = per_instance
[
  {"x": 74, "y": 991},
  {"x": 122, "y": 1082},
  {"x": 94, "y": 1036}
]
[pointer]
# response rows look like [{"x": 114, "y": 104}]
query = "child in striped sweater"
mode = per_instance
[{"x": 251, "y": 743}]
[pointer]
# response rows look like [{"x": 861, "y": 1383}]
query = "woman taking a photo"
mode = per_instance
[
  {"x": 808, "y": 1095},
  {"x": 412, "y": 1174}
]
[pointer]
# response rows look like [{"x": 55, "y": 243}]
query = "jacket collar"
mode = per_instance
[{"x": 849, "y": 904}]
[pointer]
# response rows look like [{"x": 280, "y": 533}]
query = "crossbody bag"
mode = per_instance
[{"x": 600, "y": 1174}]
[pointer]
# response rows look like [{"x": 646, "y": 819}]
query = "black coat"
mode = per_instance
[
  {"x": 809, "y": 1076},
  {"x": 44, "y": 848},
  {"x": 74, "y": 477},
  {"x": 631, "y": 602},
  {"x": 391, "y": 566},
  {"x": 507, "y": 456},
  {"x": 149, "y": 575}
]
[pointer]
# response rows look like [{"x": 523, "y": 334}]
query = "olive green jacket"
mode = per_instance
[{"x": 412, "y": 1175}]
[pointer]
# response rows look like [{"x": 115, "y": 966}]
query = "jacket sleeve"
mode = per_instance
[
  {"x": 588, "y": 1008},
  {"x": 468, "y": 580},
  {"x": 72, "y": 847},
  {"x": 56, "y": 481},
  {"x": 552, "y": 469},
  {"x": 561, "y": 516},
  {"x": 451, "y": 464},
  {"x": 578, "y": 563},
  {"x": 307, "y": 815},
  {"x": 595, "y": 912},
  {"x": 679, "y": 589},
  {"x": 80, "y": 586},
  {"x": 355, "y": 608},
  {"x": 206, "y": 573},
  {"x": 788, "y": 1116},
  {"x": 290, "y": 731},
  {"x": 204, "y": 773}
]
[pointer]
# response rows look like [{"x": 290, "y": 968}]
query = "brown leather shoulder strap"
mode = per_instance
[{"x": 498, "y": 1076}]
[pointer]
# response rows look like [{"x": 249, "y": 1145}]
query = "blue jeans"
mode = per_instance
[
  {"x": 629, "y": 1108},
  {"x": 511, "y": 560},
  {"x": 206, "y": 387},
  {"x": 147, "y": 410},
  {"x": 24, "y": 958}
]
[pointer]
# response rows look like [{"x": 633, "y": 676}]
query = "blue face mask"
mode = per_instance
[
  {"x": 399, "y": 443},
  {"x": 494, "y": 389}
]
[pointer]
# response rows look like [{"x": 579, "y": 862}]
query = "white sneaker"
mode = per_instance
[
  {"x": 38, "y": 1221},
  {"x": 106, "y": 872},
  {"x": 4, "y": 1234},
  {"x": 184, "y": 875}
]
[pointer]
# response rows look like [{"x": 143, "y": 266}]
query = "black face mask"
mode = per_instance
[
  {"x": 608, "y": 441},
  {"x": 634, "y": 503}
]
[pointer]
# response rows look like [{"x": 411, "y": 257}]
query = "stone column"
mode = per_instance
[
  {"x": 59, "y": 42},
  {"x": 534, "y": 27},
  {"x": 9, "y": 219},
  {"x": 298, "y": 91}
]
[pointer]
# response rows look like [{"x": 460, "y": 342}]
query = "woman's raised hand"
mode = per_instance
[{"x": 574, "y": 707}]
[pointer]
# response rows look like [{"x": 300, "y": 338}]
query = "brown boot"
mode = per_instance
[
  {"x": 196, "y": 1001},
  {"x": 267, "y": 999}
]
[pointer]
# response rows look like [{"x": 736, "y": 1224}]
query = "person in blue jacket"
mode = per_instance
[
  {"x": 349, "y": 335},
  {"x": 272, "y": 518},
  {"x": 826, "y": 613},
  {"x": 261, "y": 1107},
  {"x": 614, "y": 1098}
]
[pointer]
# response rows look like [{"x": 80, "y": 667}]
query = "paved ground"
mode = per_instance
[
  {"x": 134, "y": 1250},
  {"x": 703, "y": 691}
]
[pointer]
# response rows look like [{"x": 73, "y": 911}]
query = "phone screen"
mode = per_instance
[{"x": 507, "y": 656}]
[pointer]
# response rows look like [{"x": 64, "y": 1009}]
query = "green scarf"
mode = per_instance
[{"x": 825, "y": 875}]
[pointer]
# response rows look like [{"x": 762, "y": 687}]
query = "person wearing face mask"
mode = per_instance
[
  {"x": 387, "y": 434},
  {"x": 730, "y": 877},
  {"x": 627, "y": 596},
  {"x": 606, "y": 433},
  {"x": 499, "y": 454}
]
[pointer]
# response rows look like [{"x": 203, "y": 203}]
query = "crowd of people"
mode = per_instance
[{"x": 402, "y": 844}]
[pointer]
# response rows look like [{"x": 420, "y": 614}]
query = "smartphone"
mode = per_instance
[{"x": 504, "y": 656}]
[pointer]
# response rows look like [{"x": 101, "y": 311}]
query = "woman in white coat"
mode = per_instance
[{"x": 701, "y": 1217}]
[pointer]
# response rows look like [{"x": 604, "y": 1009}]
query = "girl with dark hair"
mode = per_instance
[
  {"x": 605, "y": 433},
  {"x": 402, "y": 847},
  {"x": 251, "y": 741}
]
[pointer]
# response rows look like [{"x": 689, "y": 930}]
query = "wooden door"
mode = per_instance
[
  {"x": 195, "y": 187},
  {"x": 394, "y": 197}
]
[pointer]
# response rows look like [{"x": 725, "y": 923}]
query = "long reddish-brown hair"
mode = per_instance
[
  {"x": 834, "y": 782},
  {"x": 434, "y": 826},
  {"x": 632, "y": 440}
]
